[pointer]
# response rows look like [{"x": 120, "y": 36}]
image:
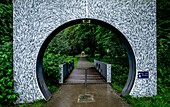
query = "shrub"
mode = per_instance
[
  {"x": 7, "y": 95},
  {"x": 51, "y": 68},
  {"x": 119, "y": 74}
]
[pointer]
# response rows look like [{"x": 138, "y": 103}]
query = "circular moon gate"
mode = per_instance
[
  {"x": 131, "y": 57},
  {"x": 33, "y": 22}
]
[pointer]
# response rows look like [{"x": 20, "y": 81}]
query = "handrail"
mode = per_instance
[
  {"x": 104, "y": 69},
  {"x": 65, "y": 71}
]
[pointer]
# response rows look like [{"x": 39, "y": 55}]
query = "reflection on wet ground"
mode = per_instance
[{"x": 81, "y": 95}]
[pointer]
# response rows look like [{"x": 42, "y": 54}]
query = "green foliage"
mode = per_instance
[
  {"x": 51, "y": 68},
  {"x": 60, "y": 44},
  {"x": 90, "y": 38},
  {"x": 53, "y": 57},
  {"x": 7, "y": 2},
  {"x": 117, "y": 87},
  {"x": 108, "y": 48},
  {"x": 163, "y": 26},
  {"x": 5, "y": 23},
  {"x": 39, "y": 103},
  {"x": 119, "y": 74},
  {"x": 76, "y": 59},
  {"x": 56, "y": 54},
  {"x": 86, "y": 50},
  {"x": 7, "y": 95},
  {"x": 90, "y": 59},
  {"x": 53, "y": 88},
  {"x": 161, "y": 100}
]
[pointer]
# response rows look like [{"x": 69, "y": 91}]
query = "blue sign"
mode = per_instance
[{"x": 144, "y": 74}]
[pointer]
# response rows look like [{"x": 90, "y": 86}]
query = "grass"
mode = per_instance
[
  {"x": 53, "y": 88},
  {"x": 117, "y": 87},
  {"x": 39, "y": 103},
  {"x": 160, "y": 100},
  {"x": 76, "y": 59},
  {"x": 91, "y": 60}
]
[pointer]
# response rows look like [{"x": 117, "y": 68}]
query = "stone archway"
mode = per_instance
[
  {"x": 131, "y": 57},
  {"x": 35, "y": 20}
]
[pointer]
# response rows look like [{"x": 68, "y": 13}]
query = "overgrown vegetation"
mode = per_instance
[
  {"x": 76, "y": 59},
  {"x": 51, "y": 69},
  {"x": 98, "y": 42},
  {"x": 39, "y": 103},
  {"x": 163, "y": 43},
  {"x": 7, "y": 95},
  {"x": 56, "y": 53}
]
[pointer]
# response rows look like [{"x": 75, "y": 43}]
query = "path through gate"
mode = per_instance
[{"x": 36, "y": 22}]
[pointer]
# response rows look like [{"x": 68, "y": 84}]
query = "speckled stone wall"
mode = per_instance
[{"x": 34, "y": 20}]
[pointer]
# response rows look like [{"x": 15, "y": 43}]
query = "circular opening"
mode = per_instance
[{"x": 131, "y": 57}]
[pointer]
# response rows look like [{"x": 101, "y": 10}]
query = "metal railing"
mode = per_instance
[
  {"x": 65, "y": 71},
  {"x": 104, "y": 69}
]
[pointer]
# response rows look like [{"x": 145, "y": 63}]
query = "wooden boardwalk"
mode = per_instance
[
  {"x": 72, "y": 94},
  {"x": 78, "y": 74}
]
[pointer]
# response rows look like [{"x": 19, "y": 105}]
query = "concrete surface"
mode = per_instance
[{"x": 70, "y": 95}]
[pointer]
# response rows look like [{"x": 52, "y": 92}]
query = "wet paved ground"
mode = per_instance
[{"x": 77, "y": 95}]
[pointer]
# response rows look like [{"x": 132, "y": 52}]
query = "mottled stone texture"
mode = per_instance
[{"x": 34, "y": 20}]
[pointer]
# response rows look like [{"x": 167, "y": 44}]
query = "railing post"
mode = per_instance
[
  {"x": 109, "y": 75},
  {"x": 66, "y": 69},
  {"x": 61, "y": 72}
]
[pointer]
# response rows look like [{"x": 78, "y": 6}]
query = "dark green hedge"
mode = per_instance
[{"x": 7, "y": 95}]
